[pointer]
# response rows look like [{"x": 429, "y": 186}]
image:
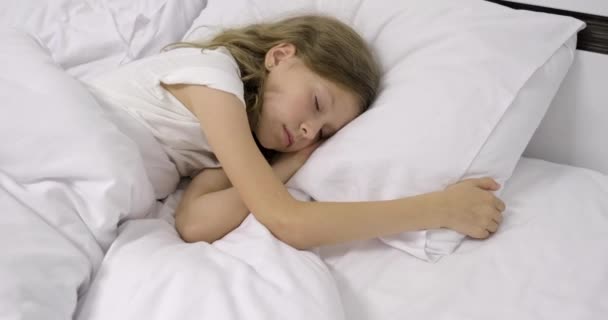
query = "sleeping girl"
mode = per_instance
[{"x": 242, "y": 112}]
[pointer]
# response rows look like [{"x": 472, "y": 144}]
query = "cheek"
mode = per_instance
[
  {"x": 267, "y": 121},
  {"x": 269, "y": 112},
  {"x": 263, "y": 121},
  {"x": 298, "y": 107},
  {"x": 261, "y": 131},
  {"x": 286, "y": 103},
  {"x": 279, "y": 108}
]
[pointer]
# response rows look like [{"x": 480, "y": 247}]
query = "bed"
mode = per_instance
[{"x": 83, "y": 237}]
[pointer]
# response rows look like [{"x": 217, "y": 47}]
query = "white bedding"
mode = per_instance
[
  {"x": 87, "y": 37},
  {"x": 549, "y": 259},
  {"x": 62, "y": 197},
  {"x": 68, "y": 177},
  {"x": 150, "y": 273}
]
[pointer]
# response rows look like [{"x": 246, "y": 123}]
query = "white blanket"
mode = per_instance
[
  {"x": 68, "y": 177},
  {"x": 150, "y": 273},
  {"x": 87, "y": 37}
]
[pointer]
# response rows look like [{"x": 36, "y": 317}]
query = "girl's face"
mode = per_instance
[{"x": 300, "y": 107}]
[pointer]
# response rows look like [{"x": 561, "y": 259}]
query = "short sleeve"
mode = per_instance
[{"x": 214, "y": 68}]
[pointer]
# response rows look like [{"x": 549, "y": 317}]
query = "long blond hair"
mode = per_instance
[{"x": 330, "y": 48}]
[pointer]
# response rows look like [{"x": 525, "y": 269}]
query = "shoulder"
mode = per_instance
[
  {"x": 210, "y": 68},
  {"x": 219, "y": 58},
  {"x": 205, "y": 100}
]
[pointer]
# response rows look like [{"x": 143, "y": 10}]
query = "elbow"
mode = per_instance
[
  {"x": 190, "y": 231},
  {"x": 190, "y": 234}
]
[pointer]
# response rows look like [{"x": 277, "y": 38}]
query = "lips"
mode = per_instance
[{"x": 288, "y": 137}]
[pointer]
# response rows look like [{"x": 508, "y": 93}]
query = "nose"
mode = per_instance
[{"x": 310, "y": 129}]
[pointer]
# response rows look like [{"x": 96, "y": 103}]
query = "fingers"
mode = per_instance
[
  {"x": 479, "y": 233},
  {"x": 492, "y": 226},
  {"x": 483, "y": 233},
  {"x": 497, "y": 217},
  {"x": 500, "y": 205},
  {"x": 488, "y": 222},
  {"x": 487, "y": 183}
]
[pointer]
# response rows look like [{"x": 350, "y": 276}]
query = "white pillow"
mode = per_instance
[
  {"x": 501, "y": 152},
  {"x": 87, "y": 37},
  {"x": 451, "y": 71}
]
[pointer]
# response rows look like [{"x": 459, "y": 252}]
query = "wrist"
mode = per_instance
[{"x": 436, "y": 210}]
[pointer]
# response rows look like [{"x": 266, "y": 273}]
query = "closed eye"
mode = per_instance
[{"x": 321, "y": 135}]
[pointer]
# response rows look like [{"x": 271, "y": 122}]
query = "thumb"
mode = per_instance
[{"x": 487, "y": 183}]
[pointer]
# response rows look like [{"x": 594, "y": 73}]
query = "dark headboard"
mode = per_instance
[{"x": 594, "y": 38}]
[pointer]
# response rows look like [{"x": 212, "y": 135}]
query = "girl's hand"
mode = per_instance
[
  {"x": 296, "y": 158},
  {"x": 471, "y": 208},
  {"x": 286, "y": 164}
]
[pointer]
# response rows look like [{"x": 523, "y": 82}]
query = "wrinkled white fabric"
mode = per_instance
[
  {"x": 548, "y": 260},
  {"x": 151, "y": 274},
  {"x": 87, "y": 37},
  {"x": 68, "y": 177}
]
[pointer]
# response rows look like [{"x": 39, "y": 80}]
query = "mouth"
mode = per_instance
[{"x": 288, "y": 137}]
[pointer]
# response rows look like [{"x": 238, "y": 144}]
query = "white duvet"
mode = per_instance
[
  {"x": 150, "y": 273},
  {"x": 87, "y": 37},
  {"x": 69, "y": 177}
]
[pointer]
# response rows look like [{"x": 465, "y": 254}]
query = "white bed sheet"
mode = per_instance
[{"x": 549, "y": 260}]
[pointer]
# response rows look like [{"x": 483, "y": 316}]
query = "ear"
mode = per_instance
[{"x": 278, "y": 54}]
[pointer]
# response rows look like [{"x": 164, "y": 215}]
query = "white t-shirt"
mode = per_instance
[{"x": 169, "y": 125}]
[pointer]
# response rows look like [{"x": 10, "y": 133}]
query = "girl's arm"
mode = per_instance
[
  {"x": 210, "y": 207},
  {"x": 309, "y": 224}
]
